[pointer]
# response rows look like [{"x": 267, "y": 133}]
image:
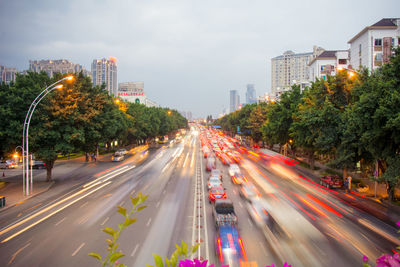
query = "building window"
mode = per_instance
[
  {"x": 378, "y": 42},
  {"x": 342, "y": 61},
  {"x": 378, "y": 57}
]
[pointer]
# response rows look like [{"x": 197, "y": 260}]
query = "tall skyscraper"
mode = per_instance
[
  {"x": 234, "y": 100},
  {"x": 53, "y": 66},
  {"x": 251, "y": 94},
  {"x": 7, "y": 75},
  {"x": 104, "y": 71}
]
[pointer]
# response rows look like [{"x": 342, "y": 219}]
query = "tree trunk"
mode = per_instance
[
  {"x": 345, "y": 173},
  {"x": 280, "y": 148},
  {"x": 311, "y": 159},
  {"x": 87, "y": 156},
  {"x": 49, "y": 168},
  {"x": 390, "y": 191}
]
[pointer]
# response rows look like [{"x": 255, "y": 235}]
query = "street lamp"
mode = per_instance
[{"x": 25, "y": 135}]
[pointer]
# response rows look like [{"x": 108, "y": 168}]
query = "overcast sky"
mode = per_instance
[{"x": 188, "y": 53}]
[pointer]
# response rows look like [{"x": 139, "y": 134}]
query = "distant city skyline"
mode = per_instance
[{"x": 189, "y": 54}]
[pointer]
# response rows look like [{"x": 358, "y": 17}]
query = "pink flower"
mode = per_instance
[
  {"x": 388, "y": 261},
  {"x": 286, "y": 265},
  {"x": 194, "y": 263},
  {"x": 365, "y": 259},
  {"x": 398, "y": 223}
]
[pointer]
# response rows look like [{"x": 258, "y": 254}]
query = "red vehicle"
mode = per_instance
[
  {"x": 216, "y": 192},
  {"x": 331, "y": 181}
]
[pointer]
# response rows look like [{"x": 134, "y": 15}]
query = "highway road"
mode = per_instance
[{"x": 320, "y": 227}]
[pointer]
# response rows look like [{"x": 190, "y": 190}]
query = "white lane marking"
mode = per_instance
[
  {"x": 84, "y": 204},
  {"x": 134, "y": 250},
  {"x": 112, "y": 173},
  {"x": 191, "y": 163},
  {"x": 184, "y": 163},
  {"x": 17, "y": 252},
  {"x": 158, "y": 204},
  {"x": 122, "y": 203},
  {"x": 148, "y": 222},
  {"x": 166, "y": 166},
  {"x": 240, "y": 204},
  {"x": 379, "y": 231},
  {"x": 61, "y": 221},
  {"x": 77, "y": 250},
  {"x": 194, "y": 209},
  {"x": 51, "y": 214},
  {"x": 248, "y": 219},
  {"x": 105, "y": 221},
  {"x": 204, "y": 207}
]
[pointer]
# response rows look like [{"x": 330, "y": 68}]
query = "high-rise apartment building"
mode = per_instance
[
  {"x": 234, "y": 100},
  {"x": 7, "y": 75},
  {"x": 372, "y": 47},
  {"x": 53, "y": 66},
  {"x": 104, "y": 71},
  {"x": 289, "y": 69},
  {"x": 251, "y": 94}
]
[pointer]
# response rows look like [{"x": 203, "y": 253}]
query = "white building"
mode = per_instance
[
  {"x": 134, "y": 92},
  {"x": 327, "y": 63},
  {"x": 104, "y": 71},
  {"x": 56, "y": 66},
  {"x": 289, "y": 69},
  {"x": 373, "y": 45},
  {"x": 7, "y": 75}
]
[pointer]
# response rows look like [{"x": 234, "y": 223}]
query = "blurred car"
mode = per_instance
[
  {"x": 210, "y": 164},
  {"x": 122, "y": 151},
  {"x": 213, "y": 181},
  {"x": 238, "y": 178},
  {"x": 258, "y": 209},
  {"x": 331, "y": 181},
  {"x": 3, "y": 165},
  {"x": 117, "y": 157},
  {"x": 216, "y": 192},
  {"x": 229, "y": 247},
  {"x": 38, "y": 164},
  {"x": 233, "y": 168},
  {"x": 225, "y": 159},
  {"x": 11, "y": 164},
  {"x": 249, "y": 191},
  {"x": 216, "y": 172}
]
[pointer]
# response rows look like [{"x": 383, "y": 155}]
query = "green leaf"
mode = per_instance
[
  {"x": 167, "y": 261},
  {"x": 142, "y": 207},
  {"x": 122, "y": 210},
  {"x": 129, "y": 221},
  {"x": 115, "y": 256},
  {"x": 134, "y": 201},
  {"x": 110, "y": 242},
  {"x": 109, "y": 230},
  {"x": 178, "y": 249},
  {"x": 95, "y": 255},
  {"x": 158, "y": 260},
  {"x": 195, "y": 247},
  {"x": 184, "y": 248},
  {"x": 148, "y": 265}
]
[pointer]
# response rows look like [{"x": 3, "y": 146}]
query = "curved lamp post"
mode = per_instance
[{"x": 25, "y": 135}]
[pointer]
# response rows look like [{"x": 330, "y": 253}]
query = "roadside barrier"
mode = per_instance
[{"x": 2, "y": 201}]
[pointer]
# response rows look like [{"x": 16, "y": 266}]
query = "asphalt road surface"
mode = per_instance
[{"x": 60, "y": 229}]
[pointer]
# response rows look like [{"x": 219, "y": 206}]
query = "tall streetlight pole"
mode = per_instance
[{"x": 25, "y": 135}]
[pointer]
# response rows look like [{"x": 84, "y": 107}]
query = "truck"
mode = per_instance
[{"x": 224, "y": 213}]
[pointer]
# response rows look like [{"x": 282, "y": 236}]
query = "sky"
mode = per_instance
[{"x": 189, "y": 54}]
